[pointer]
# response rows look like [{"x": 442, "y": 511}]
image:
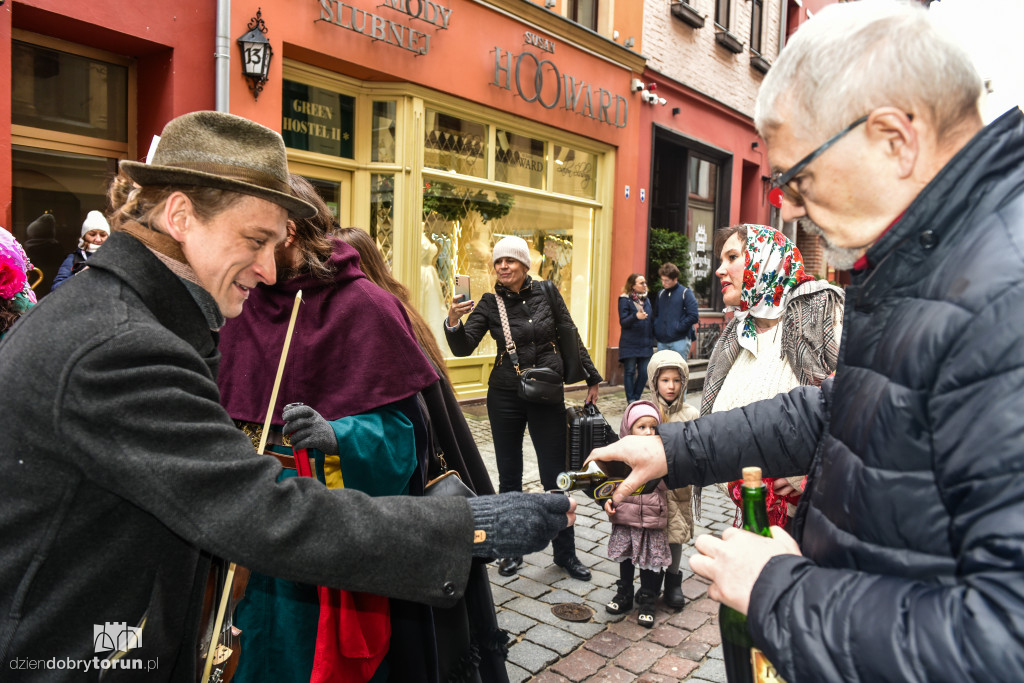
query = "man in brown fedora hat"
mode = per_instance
[{"x": 123, "y": 474}]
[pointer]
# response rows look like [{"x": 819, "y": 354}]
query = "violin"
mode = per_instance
[{"x": 220, "y": 647}]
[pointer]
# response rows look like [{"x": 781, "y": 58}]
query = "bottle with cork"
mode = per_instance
[{"x": 745, "y": 663}]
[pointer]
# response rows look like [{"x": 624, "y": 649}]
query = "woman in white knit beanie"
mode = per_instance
[
  {"x": 532, "y": 308},
  {"x": 95, "y": 231}
]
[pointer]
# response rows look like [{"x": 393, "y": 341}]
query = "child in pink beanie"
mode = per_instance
[{"x": 638, "y": 535}]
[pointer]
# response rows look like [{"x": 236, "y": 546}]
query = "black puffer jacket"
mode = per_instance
[
  {"x": 533, "y": 328},
  {"x": 912, "y": 527}
]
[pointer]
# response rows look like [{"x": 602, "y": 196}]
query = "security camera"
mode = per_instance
[{"x": 636, "y": 85}]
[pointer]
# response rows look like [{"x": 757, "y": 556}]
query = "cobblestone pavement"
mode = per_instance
[{"x": 683, "y": 645}]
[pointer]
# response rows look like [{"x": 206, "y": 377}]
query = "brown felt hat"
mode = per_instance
[{"x": 223, "y": 151}]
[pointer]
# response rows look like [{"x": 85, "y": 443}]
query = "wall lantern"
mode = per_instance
[{"x": 256, "y": 54}]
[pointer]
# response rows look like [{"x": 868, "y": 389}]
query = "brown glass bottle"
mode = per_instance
[{"x": 745, "y": 663}]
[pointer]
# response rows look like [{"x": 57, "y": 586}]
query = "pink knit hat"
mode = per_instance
[{"x": 636, "y": 410}]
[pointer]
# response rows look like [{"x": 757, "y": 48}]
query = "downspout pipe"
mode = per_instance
[
  {"x": 782, "y": 25},
  {"x": 222, "y": 56}
]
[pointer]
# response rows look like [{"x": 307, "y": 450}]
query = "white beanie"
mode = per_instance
[
  {"x": 94, "y": 220},
  {"x": 512, "y": 247}
]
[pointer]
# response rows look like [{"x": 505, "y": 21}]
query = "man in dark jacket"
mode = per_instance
[
  {"x": 123, "y": 474},
  {"x": 910, "y": 563},
  {"x": 675, "y": 312}
]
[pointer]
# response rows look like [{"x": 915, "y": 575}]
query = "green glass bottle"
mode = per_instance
[{"x": 744, "y": 663}]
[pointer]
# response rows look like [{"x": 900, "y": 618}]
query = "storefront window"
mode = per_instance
[
  {"x": 330, "y": 192},
  {"x": 382, "y": 213},
  {"x": 702, "y": 181},
  {"x": 519, "y": 159},
  {"x": 382, "y": 143},
  {"x": 68, "y": 93},
  {"x": 574, "y": 172},
  {"x": 317, "y": 120},
  {"x": 461, "y": 225},
  {"x": 455, "y": 145},
  {"x": 66, "y": 186}
]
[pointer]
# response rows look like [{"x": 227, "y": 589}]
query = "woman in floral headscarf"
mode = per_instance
[
  {"x": 16, "y": 295},
  {"x": 785, "y": 333}
]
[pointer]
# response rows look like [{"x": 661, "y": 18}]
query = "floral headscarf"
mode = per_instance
[
  {"x": 14, "y": 269},
  {"x": 773, "y": 267}
]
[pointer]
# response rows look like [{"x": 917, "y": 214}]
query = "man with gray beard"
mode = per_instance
[
  {"x": 840, "y": 257},
  {"x": 907, "y": 556}
]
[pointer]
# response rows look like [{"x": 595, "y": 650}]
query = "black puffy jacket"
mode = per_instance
[
  {"x": 912, "y": 526},
  {"x": 533, "y": 328}
]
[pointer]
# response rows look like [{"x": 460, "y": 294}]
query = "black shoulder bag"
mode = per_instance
[{"x": 568, "y": 339}]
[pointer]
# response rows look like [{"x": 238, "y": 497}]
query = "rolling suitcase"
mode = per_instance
[{"x": 586, "y": 430}]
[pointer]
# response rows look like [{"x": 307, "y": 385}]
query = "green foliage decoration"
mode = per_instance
[
  {"x": 666, "y": 246},
  {"x": 453, "y": 203}
]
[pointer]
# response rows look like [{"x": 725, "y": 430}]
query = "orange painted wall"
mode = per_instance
[{"x": 460, "y": 61}]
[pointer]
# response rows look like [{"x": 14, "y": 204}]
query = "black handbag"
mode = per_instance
[
  {"x": 568, "y": 339},
  {"x": 540, "y": 385},
  {"x": 443, "y": 481},
  {"x": 536, "y": 385}
]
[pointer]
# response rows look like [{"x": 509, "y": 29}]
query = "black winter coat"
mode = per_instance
[
  {"x": 532, "y": 324},
  {"x": 912, "y": 525}
]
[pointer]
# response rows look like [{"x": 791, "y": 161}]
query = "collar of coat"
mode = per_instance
[
  {"x": 506, "y": 292},
  {"x": 162, "y": 292}
]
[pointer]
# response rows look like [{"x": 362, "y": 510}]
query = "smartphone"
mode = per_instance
[{"x": 462, "y": 288}]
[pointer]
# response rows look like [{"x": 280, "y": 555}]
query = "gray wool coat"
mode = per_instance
[{"x": 121, "y": 473}]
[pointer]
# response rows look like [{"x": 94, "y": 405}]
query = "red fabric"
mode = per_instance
[
  {"x": 778, "y": 512},
  {"x": 354, "y": 629},
  {"x": 353, "y": 636}
]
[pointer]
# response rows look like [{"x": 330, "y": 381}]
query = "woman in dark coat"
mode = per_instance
[
  {"x": 532, "y": 323},
  {"x": 636, "y": 343},
  {"x": 471, "y": 646}
]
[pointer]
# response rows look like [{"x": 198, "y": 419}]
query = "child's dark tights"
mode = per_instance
[{"x": 650, "y": 580}]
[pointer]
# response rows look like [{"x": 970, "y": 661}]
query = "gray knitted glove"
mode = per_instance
[
  {"x": 307, "y": 428},
  {"x": 517, "y": 523}
]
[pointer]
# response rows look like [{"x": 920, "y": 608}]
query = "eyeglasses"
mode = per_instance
[{"x": 781, "y": 181}]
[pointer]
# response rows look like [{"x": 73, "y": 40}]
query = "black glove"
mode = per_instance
[
  {"x": 517, "y": 524},
  {"x": 307, "y": 428}
]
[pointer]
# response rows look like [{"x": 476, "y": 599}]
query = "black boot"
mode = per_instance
[
  {"x": 623, "y": 600},
  {"x": 645, "y": 601},
  {"x": 674, "y": 597}
]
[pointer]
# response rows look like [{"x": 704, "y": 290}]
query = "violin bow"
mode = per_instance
[
  {"x": 229, "y": 577},
  {"x": 280, "y": 372}
]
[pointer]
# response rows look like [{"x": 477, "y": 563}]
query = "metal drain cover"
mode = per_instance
[{"x": 572, "y": 611}]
